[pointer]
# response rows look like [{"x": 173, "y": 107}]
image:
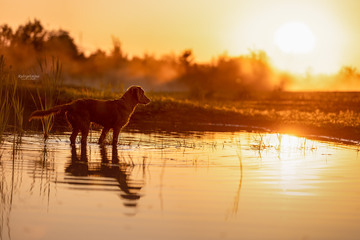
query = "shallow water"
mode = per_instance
[{"x": 197, "y": 185}]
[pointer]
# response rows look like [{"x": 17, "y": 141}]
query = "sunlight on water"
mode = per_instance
[{"x": 195, "y": 185}]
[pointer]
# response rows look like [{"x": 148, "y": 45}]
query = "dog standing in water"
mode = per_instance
[{"x": 112, "y": 114}]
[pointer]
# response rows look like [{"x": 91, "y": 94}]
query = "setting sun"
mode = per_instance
[{"x": 295, "y": 38}]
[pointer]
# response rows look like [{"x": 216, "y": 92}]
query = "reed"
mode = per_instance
[
  {"x": 48, "y": 92},
  {"x": 5, "y": 102},
  {"x": 5, "y": 108},
  {"x": 17, "y": 105}
]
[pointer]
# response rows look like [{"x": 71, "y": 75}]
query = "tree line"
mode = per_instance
[{"x": 24, "y": 47}]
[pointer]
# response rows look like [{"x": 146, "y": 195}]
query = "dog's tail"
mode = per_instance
[{"x": 55, "y": 110}]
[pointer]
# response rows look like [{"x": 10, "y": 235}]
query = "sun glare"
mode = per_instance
[{"x": 294, "y": 38}]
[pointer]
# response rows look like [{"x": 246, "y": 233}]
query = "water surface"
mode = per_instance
[{"x": 195, "y": 185}]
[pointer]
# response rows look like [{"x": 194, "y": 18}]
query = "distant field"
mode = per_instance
[{"x": 331, "y": 114}]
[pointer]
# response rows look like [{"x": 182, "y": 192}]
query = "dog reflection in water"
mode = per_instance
[{"x": 114, "y": 169}]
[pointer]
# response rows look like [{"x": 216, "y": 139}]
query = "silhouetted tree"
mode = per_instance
[
  {"x": 6, "y": 35},
  {"x": 117, "y": 53},
  {"x": 186, "y": 58},
  {"x": 348, "y": 72},
  {"x": 230, "y": 76},
  {"x": 61, "y": 40},
  {"x": 31, "y": 33}
]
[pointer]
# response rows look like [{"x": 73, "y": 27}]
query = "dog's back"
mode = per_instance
[{"x": 105, "y": 113}]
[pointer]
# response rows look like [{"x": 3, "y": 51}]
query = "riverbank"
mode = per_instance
[
  {"x": 339, "y": 119},
  {"x": 332, "y": 114}
]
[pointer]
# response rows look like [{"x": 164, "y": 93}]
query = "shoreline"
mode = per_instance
[
  {"x": 310, "y": 133},
  {"x": 327, "y": 114}
]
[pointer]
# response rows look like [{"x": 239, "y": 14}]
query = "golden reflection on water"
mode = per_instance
[{"x": 180, "y": 185}]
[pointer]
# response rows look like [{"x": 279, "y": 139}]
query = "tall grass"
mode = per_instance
[
  {"x": 11, "y": 100},
  {"x": 5, "y": 103},
  {"x": 48, "y": 93},
  {"x": 17, "y": 105}
]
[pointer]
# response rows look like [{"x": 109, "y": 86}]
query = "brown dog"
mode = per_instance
[{"x": 113, "y": 114}]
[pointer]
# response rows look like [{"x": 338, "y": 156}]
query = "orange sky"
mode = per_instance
[{"x": 210, "y": 28}]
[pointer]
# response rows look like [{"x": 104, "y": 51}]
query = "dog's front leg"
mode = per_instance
[
  {"x": 115, "y": 135},
  {"x": 84, "y": 134}
]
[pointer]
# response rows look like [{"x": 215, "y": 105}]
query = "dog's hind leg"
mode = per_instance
[
  {"x": 73, "y": 136},
  {"x": 103, "y": 134},
  {"x": 75, "y": 127}
]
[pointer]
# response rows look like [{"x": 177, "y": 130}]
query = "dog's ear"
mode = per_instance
[{"x": 138, "y": 92}]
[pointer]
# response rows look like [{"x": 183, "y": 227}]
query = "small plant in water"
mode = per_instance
[
  {"x": 259, "y": 143},
  {"x": 17, "y": 106},
  {"x": 279, "y": 138}
]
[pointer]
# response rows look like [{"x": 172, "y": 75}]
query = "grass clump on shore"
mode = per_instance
[
  {"x": 50, "y": 83},
  {"x": 11, "y": 101},
  {"x": 5, "y": 102}
]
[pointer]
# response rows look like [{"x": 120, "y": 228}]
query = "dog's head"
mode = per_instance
[{"x": 139, "y": 94}]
